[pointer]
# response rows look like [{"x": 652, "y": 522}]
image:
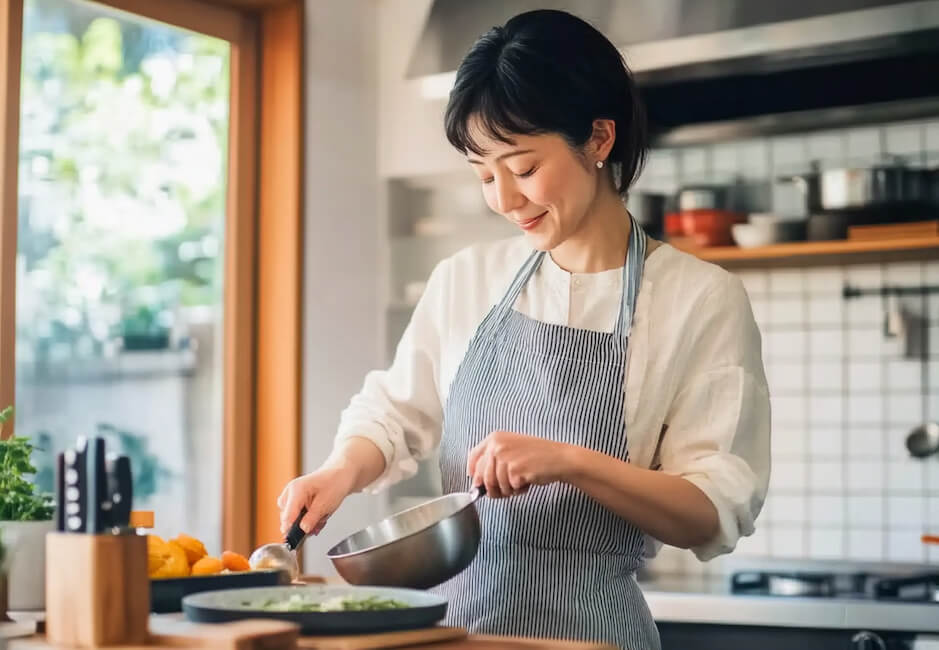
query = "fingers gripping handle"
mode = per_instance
[{"x": 295, "y": 535}]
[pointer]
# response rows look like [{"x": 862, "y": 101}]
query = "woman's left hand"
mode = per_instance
[{"x": 508, "y": 463}]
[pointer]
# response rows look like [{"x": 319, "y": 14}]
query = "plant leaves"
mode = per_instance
[{"x": 19, "y": 498}]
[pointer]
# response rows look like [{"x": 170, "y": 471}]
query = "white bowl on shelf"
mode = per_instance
[{"x": 751, "y": 235}]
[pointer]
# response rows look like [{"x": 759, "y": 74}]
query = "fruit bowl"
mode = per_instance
[
  {"x": 166, "y": 594},
  {"x": 182, "y": 566}
]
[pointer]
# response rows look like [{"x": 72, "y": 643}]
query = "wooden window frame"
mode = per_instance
[{"x": 263, "y": 242}]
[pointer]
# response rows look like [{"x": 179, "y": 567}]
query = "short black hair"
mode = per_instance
[{"x": 548, "y": 71}]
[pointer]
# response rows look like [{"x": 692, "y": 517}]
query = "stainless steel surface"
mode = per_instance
[
  {"x": 803, "y": 121},
  {"x": 282, "y": 555},
  {"x": 682, "y": 600},
  {"x": 419, "y": 548},
  {"x": 808, "y": 63},
  {"x": 923, "y": 440},
  {"x": 275, "y": 556},
  {"x": 808, "y": 185},
  {"x": 876, "y": 185},
  {"x": 885, "y": 185},
  {"x": 787, "y": 586},
  {"x": 868, "y": 641},
  {"x": 660, "y": 34}
]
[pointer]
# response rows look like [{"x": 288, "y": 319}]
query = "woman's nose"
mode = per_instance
[{"x": 508, "y": 198}]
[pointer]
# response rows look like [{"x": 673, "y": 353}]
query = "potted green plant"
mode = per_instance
[
  {"x": 25, "y": 517},
  {"x": 3, "y": 582},
  {"x": 141, "y": 329}
]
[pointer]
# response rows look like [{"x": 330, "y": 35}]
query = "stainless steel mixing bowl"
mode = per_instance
[{"x": 418, "y": 548}]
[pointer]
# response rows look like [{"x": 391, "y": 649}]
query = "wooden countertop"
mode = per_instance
[{"x": 172, "y": 631}]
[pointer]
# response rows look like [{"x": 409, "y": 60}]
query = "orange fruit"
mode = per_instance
[
  {"x": 172, "y": 560},
  {"x": 195, "y": 550},
  {"x": 155, "y": 553},
  {"x": 207, "y": 566},
  {"x": 235, "y": 562}
]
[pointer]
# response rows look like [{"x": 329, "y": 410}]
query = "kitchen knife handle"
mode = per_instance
[
  {"x": 60, "y": 492},
  {"x": 295, "y": 535},
  {"x": 76, "y": 491},
  {"x": 123, "y": 503},
  {"x": 96, "y": 497}
]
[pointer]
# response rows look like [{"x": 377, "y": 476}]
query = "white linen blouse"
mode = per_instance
[{"x": 696, "y": 402}]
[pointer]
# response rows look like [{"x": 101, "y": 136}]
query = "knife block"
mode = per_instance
[{"x": 97, "y": 590}]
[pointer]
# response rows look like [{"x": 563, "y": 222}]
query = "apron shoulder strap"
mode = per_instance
[{"x": 632, "y": 278}]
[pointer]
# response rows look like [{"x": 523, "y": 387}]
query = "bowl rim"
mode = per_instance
[{"x": 332, "y": 555}]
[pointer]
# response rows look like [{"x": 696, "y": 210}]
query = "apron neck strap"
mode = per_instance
[
  {"x": 632, "y": 279},
  {"x": 521, "y": 279}
]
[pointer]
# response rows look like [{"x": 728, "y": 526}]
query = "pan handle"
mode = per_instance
[
  {"x": 295, "y": 535},
  {"x": 477, "y": 492}
]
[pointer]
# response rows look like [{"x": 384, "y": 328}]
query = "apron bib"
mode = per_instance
[{"x": 552, "y": 562}]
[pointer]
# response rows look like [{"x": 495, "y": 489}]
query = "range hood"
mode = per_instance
[{"x": 712, "y": 69}]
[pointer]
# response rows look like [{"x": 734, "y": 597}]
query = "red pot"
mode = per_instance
[{"x": 710, "y": 227}]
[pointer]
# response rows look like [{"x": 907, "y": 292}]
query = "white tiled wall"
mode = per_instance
[{"x": 844, "y": 396}]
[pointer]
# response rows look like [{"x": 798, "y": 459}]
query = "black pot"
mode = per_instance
[
  {"x": 649, "y": 211},
  {"x": 809, "y": 184},
  {"x": 826, "y": 226},
  {"x": 880, "y": 185}
]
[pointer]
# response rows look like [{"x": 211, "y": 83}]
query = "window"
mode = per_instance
[
  {"x": 122, "y": 186},
  {"x": 149, "y": 266}
]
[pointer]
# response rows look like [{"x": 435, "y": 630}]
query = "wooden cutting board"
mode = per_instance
[
  {"x": 240, "y": 635},
  {"x": 481, "y": 642},
  {"x": 909, "y": 230},
  {"x": 274, "y": 635},
  {"x": 384, "y": 640}
]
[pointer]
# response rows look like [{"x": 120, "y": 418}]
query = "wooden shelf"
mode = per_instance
[{"x": 819, "y": 252}]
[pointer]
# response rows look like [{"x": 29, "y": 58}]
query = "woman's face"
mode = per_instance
[{"x": 538, "y": 183}]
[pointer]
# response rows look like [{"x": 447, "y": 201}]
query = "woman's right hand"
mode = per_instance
[
  {"x": 320, "y": 492},
  {"x": 353, "y": 464}
]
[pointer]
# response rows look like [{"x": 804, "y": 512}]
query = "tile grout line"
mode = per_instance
[
  {"x": 924, "y": 391},
  {"x": 885, "y": 434},
  {"x": 845, "y": 506},
  {"x": 807, "y": 419}
]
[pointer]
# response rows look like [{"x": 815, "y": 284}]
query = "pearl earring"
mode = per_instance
[{"x": 599, "y": 164}]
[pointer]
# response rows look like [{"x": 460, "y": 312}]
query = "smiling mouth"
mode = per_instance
[{"x": 529, "y": 223}]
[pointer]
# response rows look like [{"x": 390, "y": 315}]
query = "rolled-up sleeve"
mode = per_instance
[
  {"x": 399, "y": 408},
  {"x": 718, "y": 425}
]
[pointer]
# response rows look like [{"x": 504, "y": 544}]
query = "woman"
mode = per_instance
[{"x": 611, "y": 385}]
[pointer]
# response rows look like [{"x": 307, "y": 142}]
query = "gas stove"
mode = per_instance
[{"x": 915, "y": 588}]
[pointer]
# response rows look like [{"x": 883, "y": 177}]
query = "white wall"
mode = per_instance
[
  {"x": 342, "y": 316},
  {"x": 410, "y": 128}
]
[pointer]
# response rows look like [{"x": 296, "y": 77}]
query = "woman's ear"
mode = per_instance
[{"x": 601, "y": 140}]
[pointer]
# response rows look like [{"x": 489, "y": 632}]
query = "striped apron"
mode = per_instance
[{"x": 552, "y": 562}]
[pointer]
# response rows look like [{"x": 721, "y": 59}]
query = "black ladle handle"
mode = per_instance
[
  {"x": 295, "y": 535},
  {"x": 480, "y": 491}
]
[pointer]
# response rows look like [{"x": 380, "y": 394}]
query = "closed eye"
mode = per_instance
[{"x": 527, "y": 174}]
